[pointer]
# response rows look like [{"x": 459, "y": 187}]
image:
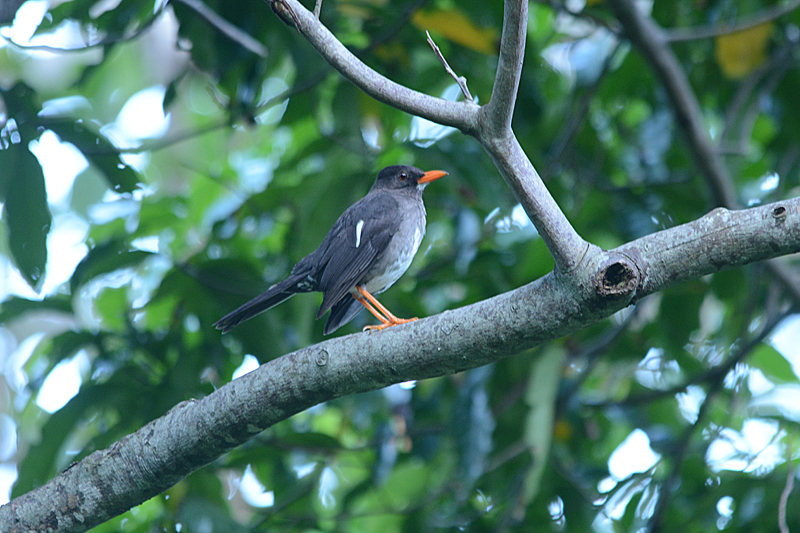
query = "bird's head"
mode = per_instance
[{"x": 405, "y": 177}]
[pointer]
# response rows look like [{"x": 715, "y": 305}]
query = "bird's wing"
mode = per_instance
[
  {"x": 353, "y": 245},
  {"x": 343, "y": 312}
]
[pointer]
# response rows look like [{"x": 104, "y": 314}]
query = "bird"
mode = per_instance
[{"x": 366, "y": 251}]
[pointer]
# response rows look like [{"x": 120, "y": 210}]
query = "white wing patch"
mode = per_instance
[
  {"x": 417, "y": 241},
  {"x": 359, "y": 227}
]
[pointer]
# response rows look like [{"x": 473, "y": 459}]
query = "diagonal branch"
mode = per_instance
[
  {"x": 498, "y": 139},
  {"x": 460, "y": 80},
  {"x": 193, "y": 434},
  {"x": 500, "y": 109},
  {"x": 652, "y": 43},
  {"x": 231, "y": 31}
]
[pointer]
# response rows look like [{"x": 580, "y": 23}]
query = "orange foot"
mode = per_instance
[
  {"x": 381, "y": 313},
  {"x": 389, "y": 323}
]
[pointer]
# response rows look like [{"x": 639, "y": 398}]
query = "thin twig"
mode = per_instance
[
  {"x": 787, "y": 490},
  {"x": 226, "y": 28},
  {"x": 460, "y": 80},
  {"x": 711, "y": 375},
  {"x": 317, "y": 8},
  {"x": 107, "y": 41},
  {"x": 563, "y": 141},
  {"x": 681, "y": 448},
  {"x": 690, "y": 34}
]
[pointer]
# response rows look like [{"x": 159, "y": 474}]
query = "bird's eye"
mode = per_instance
[{"x": 403, "y": 176}]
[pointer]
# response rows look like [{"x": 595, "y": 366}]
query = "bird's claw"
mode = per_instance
[{"x": 389, "y": 323}]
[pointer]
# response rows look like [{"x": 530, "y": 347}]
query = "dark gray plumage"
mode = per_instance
[{"x": 371, "y": 245}]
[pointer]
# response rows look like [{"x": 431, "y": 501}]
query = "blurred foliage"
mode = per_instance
[{"x": 259, "y": 158}]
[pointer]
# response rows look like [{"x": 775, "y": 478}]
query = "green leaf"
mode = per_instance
[
  {"x": 774, "y": 365},
  {"x": 26, "y": 212},
  {"x": 541, "y": 394},
  {"x": 16, "y": 307},
  {"x": 106, "y": 258},
  {"x": 197, "y": 514},
  {"x": 112, "y": 305},
  {"x": 99, "y": 151},
  {"x": 68, "y": 343}
]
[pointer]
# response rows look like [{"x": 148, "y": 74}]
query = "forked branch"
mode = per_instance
[{"x": 490, "y": 124}]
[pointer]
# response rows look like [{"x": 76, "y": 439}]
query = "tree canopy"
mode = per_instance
[{"x": 163, "y": 162}]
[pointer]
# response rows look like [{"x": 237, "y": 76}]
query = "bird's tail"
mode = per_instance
[{"x": 276, "y": 294}]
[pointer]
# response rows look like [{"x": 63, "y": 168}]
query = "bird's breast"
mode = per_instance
[{"x": 399, "y": 254}]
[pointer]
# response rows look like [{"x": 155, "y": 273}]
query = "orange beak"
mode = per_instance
[{"x": 432, "y": 175}]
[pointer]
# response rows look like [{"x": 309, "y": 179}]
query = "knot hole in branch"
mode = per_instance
[
  {"x": 779, "y": 214},
  {"x": 619, "y": 277}
]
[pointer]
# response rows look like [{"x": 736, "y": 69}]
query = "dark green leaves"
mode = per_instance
[
  {"x": 99, "y": 151},
  {"x": 26, "y": 213},
  {"x": 22, "y": 184},
  {"x": 106, "y": 258}
]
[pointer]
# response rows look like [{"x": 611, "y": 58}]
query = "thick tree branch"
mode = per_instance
[{"x": 191, "y": 435}]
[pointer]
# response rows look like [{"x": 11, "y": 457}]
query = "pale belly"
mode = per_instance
[{"x": 392, "y": 271}]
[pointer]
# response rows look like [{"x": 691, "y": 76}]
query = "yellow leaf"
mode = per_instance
[
  {"x": 456, "y": 27},
  {"x": 739, "y": 53},
  {"x": 393, "y": 53},
  {"x": 562, "y": 431}
]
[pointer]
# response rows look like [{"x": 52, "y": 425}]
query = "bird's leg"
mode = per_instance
[
  {"x": 387, "y": 320},
  {"x": 371, "y": 309}
]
